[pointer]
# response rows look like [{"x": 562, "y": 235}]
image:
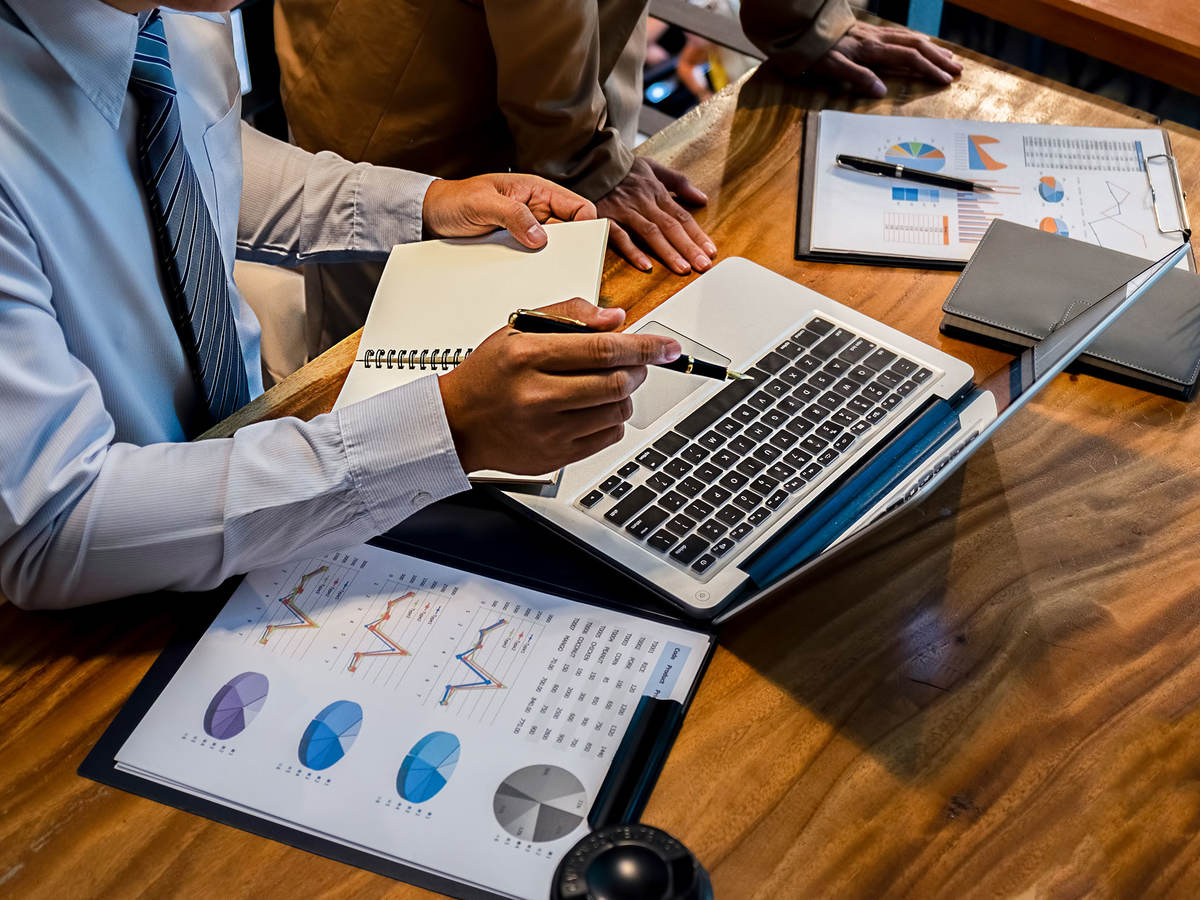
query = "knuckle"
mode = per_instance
[
  {"x": 618, "y": 384},
  {"x": 604, "y": 351},
  {"x": 625, "y": 409}
]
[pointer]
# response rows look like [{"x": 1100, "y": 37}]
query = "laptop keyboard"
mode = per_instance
[{"x": 729, "y": 468}]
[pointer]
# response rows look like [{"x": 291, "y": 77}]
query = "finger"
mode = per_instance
[
  {"x": 604, "y": 350},
  {"x": 585, "y": 390},
  {"x": 860, "y": 78},
  {"x": 583, "y": 447},
  {"x": 677, "y": 183},
  {"x": 667, "y": 218},
  {"x": 694, "y": 231},
  {"x": 652, "y": 235},
  {"x": 620, "y": 241},
  {"x": 603, "y": 318},
  {"x": 938, "y": 55},
  {"x": 577, "y": 423},
  {"x": 567, "y": 205},
  {"x": 494, "y": 208},
  {"x": 905, "y": 59}
]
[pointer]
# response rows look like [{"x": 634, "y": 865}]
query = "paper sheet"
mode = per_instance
[
  {"x": 427, "y": 715},
  {"x": 1089, "y": 184}
]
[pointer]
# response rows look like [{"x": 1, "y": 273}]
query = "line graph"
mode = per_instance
[
  {"x": 393, "y": 649},
  {"x": 289, "y": 603},
  {"x": 486, "y": 680},
  {"x": 1103, "y": 226}
]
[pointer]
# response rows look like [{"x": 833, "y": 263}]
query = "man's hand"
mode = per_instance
[
  {"x": 642, "y": 203},
  {"x": 486, "y": 202},
  {"x": 866, "y": 49},
  {"x": 531, "y": 403}
]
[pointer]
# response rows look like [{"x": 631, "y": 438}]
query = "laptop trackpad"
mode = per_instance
[{"x": 664, "y": 388}]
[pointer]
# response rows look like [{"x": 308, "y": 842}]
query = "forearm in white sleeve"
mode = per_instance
[{"x": 300, "y": 207}]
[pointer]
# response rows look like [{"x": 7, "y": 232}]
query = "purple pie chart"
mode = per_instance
[{"x": 234, "y": 706}]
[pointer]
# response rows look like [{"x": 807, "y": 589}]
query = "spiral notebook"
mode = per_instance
[{"x": 437, "y": 300}]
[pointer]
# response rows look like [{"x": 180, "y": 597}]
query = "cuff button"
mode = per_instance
[{"x": 420, "y": 498}]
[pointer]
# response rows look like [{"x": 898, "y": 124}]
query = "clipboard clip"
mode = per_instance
[{"x": 1185, "y": 225}]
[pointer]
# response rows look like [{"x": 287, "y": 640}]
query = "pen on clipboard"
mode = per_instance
[
  {"x": 907, "y": 173},
  {"x": 531, "y": 320}
]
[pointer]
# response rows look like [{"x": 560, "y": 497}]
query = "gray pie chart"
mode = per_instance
[{"x": 540, "y": 803}]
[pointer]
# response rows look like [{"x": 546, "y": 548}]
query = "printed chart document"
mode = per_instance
[
  {"x": 429, "y": 716},
  {"x": 438, "y": 299},
  {"x": 1091, "y": 184}
]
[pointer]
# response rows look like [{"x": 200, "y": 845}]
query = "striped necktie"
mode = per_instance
[{"x": 189, "y": 256}]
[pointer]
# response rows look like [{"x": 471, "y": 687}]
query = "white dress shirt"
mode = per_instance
[{"x": 99, "y": 496}]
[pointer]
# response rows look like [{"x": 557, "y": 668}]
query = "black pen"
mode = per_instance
[
  {"x": 907, "y": 173},
  {"x": 545, "y": 323}
]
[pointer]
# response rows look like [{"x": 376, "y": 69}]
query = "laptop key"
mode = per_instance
[
  {"x": 703, "y": 561},
  {"x": 861, "y": 374},
  {"x": 628, "y": 469},
  {"x": 750, "y": 466},
  {"x": 856, "y": 350},
  {"x": 694, "y": 454},
  {"x": 711, "y": 440},
  {"x": 833, "y": 342},
  {"x": 792, "y": 375},
  {"x": 906, "y": 388},
  {"x": 875, "y": 415},
  {"x": 731, "y": 515},
  {"x": 808, "y": 364},
  {"x": 780, "y": 471},
  {"x": 880, "y": 359},
  {"x": 724, "y": 458},
  {"x": 747, "y": 500},
  {"x": 761, "y": 400},
  {"x": 790, "y": 349},
  {"x": 728, "y": 427},
  {"x": 791, "y": 405},
  {"x": 844, "y": 417},
  {"x": 716, "y": 495},
  {"x": 831, "y": 400},
  {"x": 827, "y": 457},
  {"x": 706, "y": 472},
  {"x": 766, "y": 453},
  {"x": 806, "y": 338},
  {"x": 776, "y": 500},
  {"x": 821, "y": 380},
  {"x": 733, "y": 481},
  {"x": 797, "y": 458},
  {"x": 874, "y": 391},
  {"x": 646, "y": 521},
  {"x": 860, "y": 426},
  {"x": 764, "y": 485},
  {"x": 620, "y": 490},
  {"x": 745, "y": 413},
  {"x": 759, "y": 516},
  {"x": 921, "y": 375},
  {"x": 681, "y": 524},
  {"x": 836, "y": 367},
  {"x": 721, "y": 547},
  {"x": 891, "y": 401},
  {"x": 819, "y": 325},
  {"x": 609, "y": 483},
  {"x": 711, "y": 530},
  {"x": 799, "y": 426},
  {"x": 651, "y": 458},
  {"x": 662, "y": 540},
  {"x": 671, "y": 501},
  {"x": 904, "y": 366},
  {"x": 777, "y": 388},
  {"x": 811, "y": 471},
  {"x": 828, "y": 431},
  {"x": 859, "y": 404},
  {"x": 806, "y": 393},
  {"x": 813, "y": 444},
  {"x": 793, "y": 484},
  {"x": 783, "y": 439},
  {"x": 774, "y": 418},
  {"x": 741, "y": 531},
  {"x": 689, "y": 549},
  {"x": 690, "y": 486},
  {"x": 676, "y": 468},
  {"x": 590, "y": 499},
  {"x": 815, "y": 412},
  {"x": 843, "y": 442},
  {"x": 623, "y": 511},
  {"x": 772, "y": 362},
  {"x": 670, "y": 443},
  {"x": 741, "y": 445},
  {"x": 758, "y": 431},
  {"x": 698, "y": 510},
  {"x": 891, "y": 379},
  {"x": 659, "y": 482},
  {"x": 716, "y": 406},
  {"x": 847, "y": 387}
]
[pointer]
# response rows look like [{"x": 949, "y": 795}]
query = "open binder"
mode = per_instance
[
  {"x": 1114, "y": 187},
  {"x": 471, "y": 534}
]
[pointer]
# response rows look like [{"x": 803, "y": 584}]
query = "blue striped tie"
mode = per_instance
[{"x": 189, "y": 256}]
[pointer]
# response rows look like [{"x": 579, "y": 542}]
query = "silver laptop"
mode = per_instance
[{"x": 723, "y": 493}]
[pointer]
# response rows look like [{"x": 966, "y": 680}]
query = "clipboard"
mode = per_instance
[
  {"x": 810, "y": 167},
  {"x": 496, "y": 548}
]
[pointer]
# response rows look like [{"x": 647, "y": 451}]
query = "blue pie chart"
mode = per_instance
[
  {"x": 330, "y": 735},
  {"x": 428, "y": 766}
]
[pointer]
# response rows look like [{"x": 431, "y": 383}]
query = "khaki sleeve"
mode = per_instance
[
  {"x": 548, "y": 88},
  {"x": 795, "y": 33}
]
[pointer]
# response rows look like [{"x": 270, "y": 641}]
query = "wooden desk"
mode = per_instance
[
  {"x": 1156, "y": 38},
  {"x": 1004, "y": 701}
]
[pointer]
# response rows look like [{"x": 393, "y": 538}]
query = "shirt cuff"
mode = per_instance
[
  {"x": 388, "y": 207},
  {"x": 400, "y": 451}
]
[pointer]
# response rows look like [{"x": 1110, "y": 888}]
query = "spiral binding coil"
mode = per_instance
[{"x": 424, "y": 360}]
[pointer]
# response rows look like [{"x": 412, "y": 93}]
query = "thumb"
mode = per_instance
[
  {"x": 497, "y": 209},
  {"x": 600, "y": 318}
]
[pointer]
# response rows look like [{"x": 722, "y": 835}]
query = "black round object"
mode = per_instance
[{"x": 630, "y": 862}]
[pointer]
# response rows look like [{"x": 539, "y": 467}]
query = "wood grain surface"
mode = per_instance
[{"x": 998, "y": 696}]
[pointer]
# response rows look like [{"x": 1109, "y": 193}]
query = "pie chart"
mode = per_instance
[
  {"x": 330, "y": 735},
  {"x": 916, "y": 155},
  {"x": 1049, "y": 189},
  {"x": 540, "y": 803},
  {"x": 1054, "y": 226},
  {"x": 234, "y": 706},
  {"x": 428, "y": 766}
]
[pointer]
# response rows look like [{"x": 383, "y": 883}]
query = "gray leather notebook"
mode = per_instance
[{"x": 1021, "y": 281}]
